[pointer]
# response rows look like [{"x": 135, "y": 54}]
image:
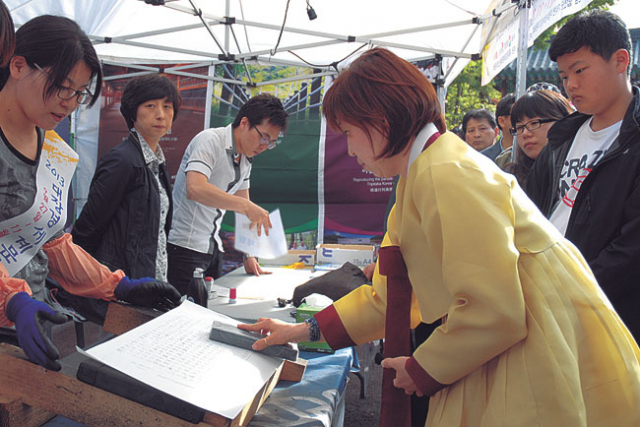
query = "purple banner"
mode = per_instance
[{"x": 355, "y": 199}]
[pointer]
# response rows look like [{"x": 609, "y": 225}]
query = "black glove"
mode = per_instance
[
  {"x": 148, "y": 292},
  {"x": 29, "y": 316}
]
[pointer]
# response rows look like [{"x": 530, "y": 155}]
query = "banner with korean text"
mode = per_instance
[{"x": 502, "y": 33}]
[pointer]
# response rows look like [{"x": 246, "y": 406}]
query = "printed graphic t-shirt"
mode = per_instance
[{"x": 587, "y": 149}]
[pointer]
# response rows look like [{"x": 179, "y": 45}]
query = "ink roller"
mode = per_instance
[{"x": 229, "y": 334}]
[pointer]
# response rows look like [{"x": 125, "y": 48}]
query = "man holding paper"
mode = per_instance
[{"x": 213, "y": 178}]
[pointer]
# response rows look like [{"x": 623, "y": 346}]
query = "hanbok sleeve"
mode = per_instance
[
  {"x": 359, "y": 317},
  {"x": 469, "y": 217}
]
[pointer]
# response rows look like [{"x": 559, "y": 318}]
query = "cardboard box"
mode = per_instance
[
  {"x": 302, "y": 313},
  {"x": 336, "y": 255},
  {"x": 308, "y": 258}
]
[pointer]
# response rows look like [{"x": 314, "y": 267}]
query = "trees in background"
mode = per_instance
[{"x": 466, "y": 93}]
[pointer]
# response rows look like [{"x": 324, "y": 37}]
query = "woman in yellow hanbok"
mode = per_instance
[{"x": 527, "y": 337}]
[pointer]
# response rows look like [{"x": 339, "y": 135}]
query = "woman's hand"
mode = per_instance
[
  {"x": 368, "y": 270},
  {"x": 402, "y": 380},
  {"x": 279, "y": 332}
]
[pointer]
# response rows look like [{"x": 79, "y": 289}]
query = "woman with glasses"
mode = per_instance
[
  {"x": 50, "y": 73},
  {"x": 527, "y": 338},
  {"x": 214, "y": 176},
  {"x": 127, "y": 217},
  {"x": 531, "y": 117}
]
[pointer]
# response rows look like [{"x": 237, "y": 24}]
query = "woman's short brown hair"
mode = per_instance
[{"x": 379, "y": 90}]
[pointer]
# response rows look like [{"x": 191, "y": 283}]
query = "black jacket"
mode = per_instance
[
  {"x": 605, "y": 218},
  {"x": 119, "y": 223}
]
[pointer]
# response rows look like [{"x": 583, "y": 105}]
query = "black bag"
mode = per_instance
[
  {"x": 107, "y": 378},
  {"x": 335, "y": 284}
]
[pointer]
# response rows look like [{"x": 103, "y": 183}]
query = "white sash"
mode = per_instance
[{"x": 22, "y": 236}]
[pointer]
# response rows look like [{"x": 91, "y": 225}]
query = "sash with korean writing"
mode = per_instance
[{"x": 22, "y": 236}]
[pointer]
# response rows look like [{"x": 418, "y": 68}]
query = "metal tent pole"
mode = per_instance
[
  {"x": 523, "y": 39},
  {"x": 521, "y": 64}
]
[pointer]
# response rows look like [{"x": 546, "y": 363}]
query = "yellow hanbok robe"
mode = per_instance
[{"x": 529, "y": 337}]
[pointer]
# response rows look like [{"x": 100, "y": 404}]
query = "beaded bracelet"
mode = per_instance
[{"x": 314, "y": 329}]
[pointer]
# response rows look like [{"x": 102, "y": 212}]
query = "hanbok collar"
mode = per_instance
[{"x": 425, "y": 135}]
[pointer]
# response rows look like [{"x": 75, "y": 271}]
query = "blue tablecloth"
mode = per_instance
[{"x": 314, "y": 401}]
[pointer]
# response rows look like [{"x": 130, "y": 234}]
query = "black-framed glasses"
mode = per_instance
[
  {"x": 531, "y": 126},
  {"x": 266, "y": 141},
  {"x": 67, "y": 93}
]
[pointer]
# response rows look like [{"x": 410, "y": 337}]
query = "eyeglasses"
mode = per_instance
[
  {"x": 67, "y": 93},
  {"x": 531, "y": 126},
  {"x": 266, "y": 141}
]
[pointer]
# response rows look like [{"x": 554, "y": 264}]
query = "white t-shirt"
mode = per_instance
[
  {"x": 211, "y": 152},
  {"x": 587, "y": 149}
]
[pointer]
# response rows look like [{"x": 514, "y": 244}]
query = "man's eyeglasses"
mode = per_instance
[
  {"x": 266, "y": 141},
  {"x": 66, "y": 93},
  {"x": 531, "y": 126}
]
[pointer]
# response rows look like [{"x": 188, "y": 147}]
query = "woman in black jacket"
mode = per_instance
[{"x": 127, "y": 217}]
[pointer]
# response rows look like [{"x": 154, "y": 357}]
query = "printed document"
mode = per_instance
[
  {"x": 174, "y": 354},
  {"x": 269, "y": 247}
]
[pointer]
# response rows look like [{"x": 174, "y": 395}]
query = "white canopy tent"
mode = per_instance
[
  {"x": 185, "y": 34},
  {"x": 131, "y": 31}
]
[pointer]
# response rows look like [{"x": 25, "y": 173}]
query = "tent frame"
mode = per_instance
[{"x": 262, "y": 57}]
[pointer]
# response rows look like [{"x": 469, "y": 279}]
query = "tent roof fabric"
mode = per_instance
[
  {"x": 249, "y": 30},
  {"x": 541, "y": 68}
]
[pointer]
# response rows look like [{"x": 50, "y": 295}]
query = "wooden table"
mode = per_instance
[{"x": 31, "y": 394}]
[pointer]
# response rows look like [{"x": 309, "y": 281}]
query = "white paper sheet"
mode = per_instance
[
  {"x": 174, "y": 354},
  {"x": 256, "y": 296},
  {"x": 272, "y": 246},
  {"x": 279, "y": 284}
]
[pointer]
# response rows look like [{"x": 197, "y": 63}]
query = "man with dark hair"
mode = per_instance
[
  {"x": 213, "y": 178},
  {"x": 503, "y": 119},
  {"x": 587, "y": 179},
  {"x": 479, "y": 128}
]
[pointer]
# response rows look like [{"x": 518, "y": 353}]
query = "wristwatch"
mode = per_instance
[{"x": 247, "y": 256}]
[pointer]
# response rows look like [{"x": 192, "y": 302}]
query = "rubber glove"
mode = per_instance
[
  {"x": 29, "y": 316},
  {"x": 148, "y": 292}
]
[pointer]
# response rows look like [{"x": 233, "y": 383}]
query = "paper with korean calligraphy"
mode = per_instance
[
  {"x": 272, "y": 246},
  {"x": 22, "y": 236},
  {"x": 174, "y": 354}
]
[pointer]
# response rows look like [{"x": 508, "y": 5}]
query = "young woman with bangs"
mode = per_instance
[
  {"x": 531, "y": 117},
  {"x": 52, "y": 71},
  {"x": 527, "y": 336}
]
